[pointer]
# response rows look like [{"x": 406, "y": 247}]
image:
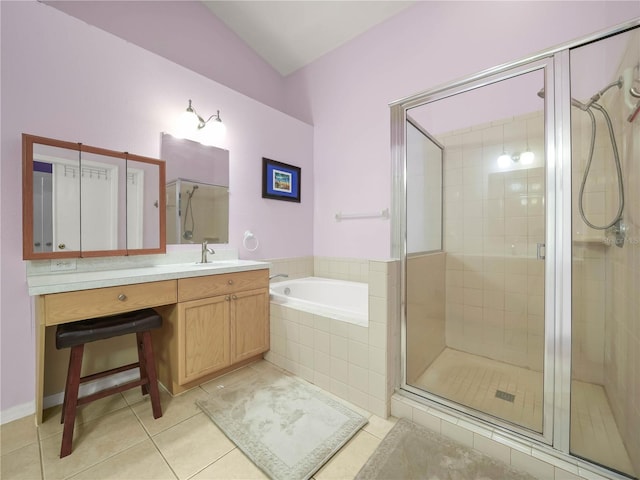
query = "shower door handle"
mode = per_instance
[{"x": 540, "y": 251}]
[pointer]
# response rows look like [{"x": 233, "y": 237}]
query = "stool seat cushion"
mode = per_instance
[{"x": 85, "y": 331}]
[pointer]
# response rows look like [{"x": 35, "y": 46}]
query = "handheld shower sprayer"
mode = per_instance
[
  {"x": 188, "y": 234},
  {"x": 615, "y": 225}
]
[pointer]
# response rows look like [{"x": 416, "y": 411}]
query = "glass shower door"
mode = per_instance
[
  {"x": 475, "y": 301},
  {"x": 605, "y": 332}
]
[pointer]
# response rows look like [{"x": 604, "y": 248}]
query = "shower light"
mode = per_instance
[
  {"x": 504, "y": 160},
  {"x": 190, "y": 122},
  {"x": 526, "y": 158}
]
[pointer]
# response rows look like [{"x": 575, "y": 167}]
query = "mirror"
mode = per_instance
[
  {"x": 197, "y": 203},
  {"x": 84, "y": 201}
]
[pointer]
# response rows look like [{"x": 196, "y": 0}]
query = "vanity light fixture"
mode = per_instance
[{"x": 191, "y": 123}]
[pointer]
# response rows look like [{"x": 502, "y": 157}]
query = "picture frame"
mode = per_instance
[{"x": 280, "y": 181}]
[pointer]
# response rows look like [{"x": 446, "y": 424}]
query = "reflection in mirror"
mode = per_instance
[
  {"x": 197, "y": 212},
  {"x": 144, "y": 228},
  {"x": 56, "y": 189},
  {"x": 197, "y": 191},
  {"x": 102, "y": 201}
]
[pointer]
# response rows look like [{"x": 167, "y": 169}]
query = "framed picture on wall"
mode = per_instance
[{"x": 280, "y": 181}]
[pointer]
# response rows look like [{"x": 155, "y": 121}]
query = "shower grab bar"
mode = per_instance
[{"x": 384, "y": 214}]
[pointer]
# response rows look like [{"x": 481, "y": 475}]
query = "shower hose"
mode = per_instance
[{"x": 616, "y": 157}]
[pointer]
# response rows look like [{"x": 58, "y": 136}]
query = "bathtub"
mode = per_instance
[{"x": 337, "y": 299}]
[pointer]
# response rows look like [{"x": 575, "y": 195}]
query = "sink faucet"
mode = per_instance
[
  {"x": 205, "y": 249},
  {"x": 271, "y": 277}
]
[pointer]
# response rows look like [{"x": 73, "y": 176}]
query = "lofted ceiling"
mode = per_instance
[{"x": 292, "y": 34}]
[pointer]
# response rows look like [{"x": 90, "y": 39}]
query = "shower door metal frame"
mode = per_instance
[
  {"x": 558, "y": 268},
  {"x": 399, "y": 118}
]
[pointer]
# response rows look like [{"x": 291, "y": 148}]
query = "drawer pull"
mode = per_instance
[
  {"x": 230, "y": 282},
  {"x": 234, "y": 297},
  {"x": 122, "y": 297},
  {"x": 227, "y": 298}
]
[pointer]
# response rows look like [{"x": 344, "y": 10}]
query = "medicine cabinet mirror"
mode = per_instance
[{"x": 84, "y": 201}]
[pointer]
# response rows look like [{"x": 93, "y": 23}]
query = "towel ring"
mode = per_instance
[{"x": 248, "y": 236}]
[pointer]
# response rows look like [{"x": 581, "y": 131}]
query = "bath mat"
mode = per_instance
[
  {"x": 286, "y": 426},
  {"x": 410, "y": 451}
]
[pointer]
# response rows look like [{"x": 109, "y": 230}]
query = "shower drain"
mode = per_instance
[{"x": 509, "y": 397}]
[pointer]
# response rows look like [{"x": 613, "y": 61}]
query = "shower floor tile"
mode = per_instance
[
  {"x": 594, "y": 434},
  {"x": 475, "y": 381}
]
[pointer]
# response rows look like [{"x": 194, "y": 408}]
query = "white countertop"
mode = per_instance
[{"x": 71, "y": 281}]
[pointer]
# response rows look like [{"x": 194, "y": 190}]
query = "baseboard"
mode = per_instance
[{"x": 19, "y": 411}]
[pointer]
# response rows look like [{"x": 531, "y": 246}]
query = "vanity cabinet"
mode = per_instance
[{"x": 220, "y": 322}]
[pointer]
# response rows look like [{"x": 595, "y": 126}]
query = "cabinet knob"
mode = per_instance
[
  {"x": 234, "y": 297},
  {"x": 61, "y": 246},
  {"x": 122, "y": 297},
  {"x": 230, "y": 282},
  {"x": 227, "y": 298}
]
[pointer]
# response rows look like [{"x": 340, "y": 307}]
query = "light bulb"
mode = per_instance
[
  {"x": 187, "y": 124},
  {"x": 213, "y": 133},
  {"x": 504, "y": 160},
  {"x": 526, "y": 158}
]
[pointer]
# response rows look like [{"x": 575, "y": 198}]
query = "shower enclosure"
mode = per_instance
[
  {"x": 518, "y": 227},
  {"x": 196, "y": 212}
]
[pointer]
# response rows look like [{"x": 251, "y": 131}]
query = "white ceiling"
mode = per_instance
[{"x": 291, "y": 34}]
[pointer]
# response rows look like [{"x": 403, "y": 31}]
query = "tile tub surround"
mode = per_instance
[{"x": 349, "y": 361}]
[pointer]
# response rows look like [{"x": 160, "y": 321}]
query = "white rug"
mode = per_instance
[
  {"x": 410, "y": 451},
  {"x": 289, "y": 428}
]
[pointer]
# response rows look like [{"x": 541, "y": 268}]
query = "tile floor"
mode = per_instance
[
  {"x": 117, "y": 438},
  {"x": 472, "y": 380}
]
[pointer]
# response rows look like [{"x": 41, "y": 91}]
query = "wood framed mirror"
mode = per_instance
[{"x": 84, "y": 201}]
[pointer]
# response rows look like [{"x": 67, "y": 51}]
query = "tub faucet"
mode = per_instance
[
  {"x": 271, "y": 277},
  {"x": 205, "y": 249}
]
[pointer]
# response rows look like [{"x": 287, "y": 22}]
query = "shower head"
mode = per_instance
[
  {"x": 584, "y": 106},
  {"x": 574, "y": 102}
]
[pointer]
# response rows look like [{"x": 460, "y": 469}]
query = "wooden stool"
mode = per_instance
[{"x": 76, "y": 334}]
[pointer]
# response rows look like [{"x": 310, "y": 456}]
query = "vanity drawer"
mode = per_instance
[
  {"x": 83, "y": 304},
  {"x": 222, "y": 284}
]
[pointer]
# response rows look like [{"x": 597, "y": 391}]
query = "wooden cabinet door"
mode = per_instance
[
  {"x": 203, "y": 337},
  {"x": 249, "y": 324}
]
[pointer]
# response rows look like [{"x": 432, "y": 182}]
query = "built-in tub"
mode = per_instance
[{"x": 337, "y": 299}]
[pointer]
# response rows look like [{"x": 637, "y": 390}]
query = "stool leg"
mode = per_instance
[
  {"x": 141, "y": 360},
  {"x": 71, "y": 398},
  {"x": 150, "y": 367}
]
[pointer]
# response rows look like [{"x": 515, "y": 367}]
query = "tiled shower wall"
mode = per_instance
[
  {"x": 494, "y": 219},
  {"x": 617, "y": 276},
  {"x": 356, "y": 363}
]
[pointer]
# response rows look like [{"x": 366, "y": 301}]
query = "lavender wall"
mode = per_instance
[
  {"x": 345, "y": 94},
  {"x": 188, "y": 33},
  {"x": 62, "y": 78}
]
